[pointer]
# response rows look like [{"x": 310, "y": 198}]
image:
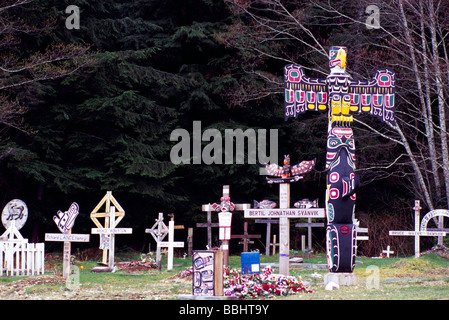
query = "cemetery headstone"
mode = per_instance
[
  {"x": 65, "y": 221},
  {"x": 245, "y": 237}
]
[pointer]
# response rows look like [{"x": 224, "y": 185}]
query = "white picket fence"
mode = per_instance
[{"x": 21, "y": 258}]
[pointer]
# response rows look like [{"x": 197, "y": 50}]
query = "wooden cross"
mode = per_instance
[
  {"x": 224, "y": 210},
  {"x": 171, "y": 244},
  {"x": 417, "y": 233},
  {"x": 267, "y": 241},
  {"x": 96, "y": 214},
  {"x": 65, "y": 221},
  {"x": 245, "y": 237},
  {"x": 309, "y": 224},
  {"x": 107, "y": 236},
  {"x": 158, "y": 231},
  {"x": 209, "y": 225},
  {"x": 387, "y": 252}
]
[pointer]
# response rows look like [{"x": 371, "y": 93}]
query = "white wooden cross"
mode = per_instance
[
  {"x": 65, "y": 221},
  {"x": 224, "y": 210},
  {"x": 388, "y": 251},
  {"x": 417, "y": 233},
  {"x": 158, "y": 231},
  {"x": 171, "y": 244},
  {"x": 107, "y": 236}
]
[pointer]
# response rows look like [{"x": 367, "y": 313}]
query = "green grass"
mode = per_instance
[{"x": 399, "y": 278}]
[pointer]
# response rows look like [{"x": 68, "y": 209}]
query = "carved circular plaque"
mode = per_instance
[{"x": 17, "y": 211}]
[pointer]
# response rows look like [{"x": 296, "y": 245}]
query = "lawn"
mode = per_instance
[{"x": 409, "y": 278}]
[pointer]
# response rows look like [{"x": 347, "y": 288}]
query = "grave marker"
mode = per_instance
[
  {"x": 65, "y": 221},
  {"x": 106, "y": 201},
  {"x": 171, "y": 244},
  {"x": 284, "y": 213},
  {"x": 268, "y": 222},
  {"x": 274, "y": 244},
  {"x": 245, "y": 237},
  {"x": 17, "y": 256},
  {"x": 224, "y": 210},
  {"x": 107, "y": 236},
  {"x": 388, "y": 251},
  {"x": 209, "y": 225},
  {"x": 158, "y": 231},
  {"x": 417, "y": 232},
  {"x": 309, "y": 224}
]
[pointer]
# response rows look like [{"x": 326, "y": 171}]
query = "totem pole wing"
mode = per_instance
[
  {"x": 274, "y": 170},
  {"x": 375, "y": 96},
  {"x": 303, "y": 167},
  {"x": 302, "y": 93}
]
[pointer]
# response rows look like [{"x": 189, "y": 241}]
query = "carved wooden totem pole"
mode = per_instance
[{"x": 342, "y": 97}]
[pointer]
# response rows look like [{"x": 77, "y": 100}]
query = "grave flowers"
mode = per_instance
[{"x": 265, "y": 285}]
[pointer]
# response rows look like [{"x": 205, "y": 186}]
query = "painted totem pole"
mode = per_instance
[{"x": 342, "y": 97}]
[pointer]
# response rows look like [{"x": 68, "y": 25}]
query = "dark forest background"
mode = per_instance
[{"x": 90, "y": 110}]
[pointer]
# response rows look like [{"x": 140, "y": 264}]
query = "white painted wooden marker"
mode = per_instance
[
  {"x": 109, "y": 234},
  {"x": 171, "y": 244}
]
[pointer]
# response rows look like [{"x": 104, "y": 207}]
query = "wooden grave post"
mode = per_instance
[
  {"x": 309, "y": 224},
  {"x": 245, "y": 237},
  {"x": 274, "y": 244},
  {"x": 209, "y": 225},
  {"x": 224, "y": 210},
  {"x": 107, "y": 236},
  {"x": 189, "y": 241},
  {"x": 96, "y": 214},
  {"x": 417, "y": 232},
  {"x": 158, "y": 231},
  {"x": 65, "y": 222},
  {"x": 388, "y": 251},
  {"x": 171, "y": 244},
  {"x": 268, "y": 222},
  {"x": 284, "y": 213}
]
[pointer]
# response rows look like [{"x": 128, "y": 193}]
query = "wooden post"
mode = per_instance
[
  {"x": 274, "y": 244},
  {"x": 303, "y": 243},
  {"x": 171, "y": 244},
  {"x": 267, "y": 241},
  {"x": 309, "y": 226},
  {"x": 284, "y": 230},
  {"x": 190, "y": 241},
  {"x": 209, "y": 225},
  {"x": 109, "y": 234},
  {"x": 158, "y": 231},
  {"x": 245, "y": 237}
]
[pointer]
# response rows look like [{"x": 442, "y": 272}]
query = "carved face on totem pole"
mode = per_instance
[{"x": 342, "y": 97}]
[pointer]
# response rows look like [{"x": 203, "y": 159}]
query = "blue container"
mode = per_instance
[{"x": 250, "y": 262}]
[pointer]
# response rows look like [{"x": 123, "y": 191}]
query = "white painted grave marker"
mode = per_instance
[
  {"x": 171, "y": 244},
  {"x": 224, "y": 210},
  {"x": 158, "y": 231},
  {"x": 107, "y": 236},
  {"x": 17, "y": 256},
  {"x": 417, "y": 232},
  {"x": 388, "y": 251},
  {"x": 64, "y": 222}
]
